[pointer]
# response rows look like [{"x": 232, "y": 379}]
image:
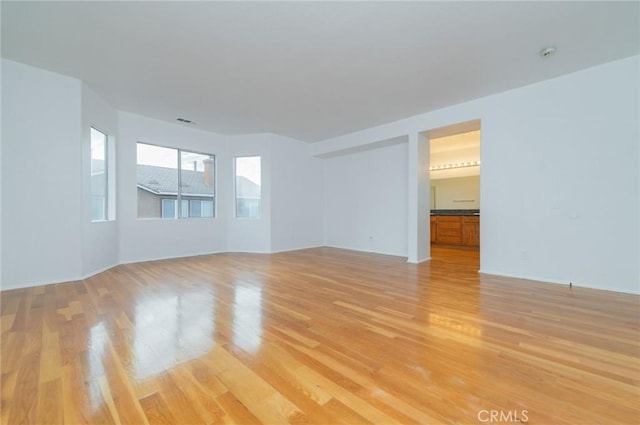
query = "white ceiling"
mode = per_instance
[
  {"x": 310, "y": 70},
  {"x": 457, "y": 142}
]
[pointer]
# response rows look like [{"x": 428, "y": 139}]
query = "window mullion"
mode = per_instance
[
  {"x": 179, "y": 196},
  {"x": 106, "y": 178}
]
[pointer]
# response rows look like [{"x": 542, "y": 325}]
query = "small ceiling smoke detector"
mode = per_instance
[
  {"x": 184, "y": 120},
  {"x": 547, "y": 51}
]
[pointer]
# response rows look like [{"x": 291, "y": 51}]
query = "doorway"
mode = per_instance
[{"x": 454, "y": 180}]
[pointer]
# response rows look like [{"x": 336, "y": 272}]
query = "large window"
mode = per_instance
[
  {"x": 99, "y": 177},
  {"x": 248, "y": 183},
  {"x": 175, "y": 183}
]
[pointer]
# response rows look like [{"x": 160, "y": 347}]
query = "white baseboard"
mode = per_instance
[
  {"x": 393, "y": 254},
  {"x": 551, "y": 281},
  {"x": 147, "y": 259},
  {"x": 93, "y": 273},
  {"x": 296, "y": 249},
  {"x": 419, "y": 261}
]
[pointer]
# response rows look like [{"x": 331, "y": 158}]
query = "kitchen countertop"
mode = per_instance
[{"x": 455, "y": 212}]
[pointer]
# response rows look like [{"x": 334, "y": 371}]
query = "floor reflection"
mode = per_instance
[
  {"x": 98, "y": 338},
  {"x": 247, "y": 318},
  {"x": 455, "y": 323},
  {"x": 171, "y": 330}
]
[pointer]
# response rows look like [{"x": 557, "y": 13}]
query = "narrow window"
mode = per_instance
[
  {"x": 248, "y": 187},
  {"x": 99, "y": 180}
]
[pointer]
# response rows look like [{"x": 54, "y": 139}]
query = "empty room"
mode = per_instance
[{"x": 320, "y": 212}]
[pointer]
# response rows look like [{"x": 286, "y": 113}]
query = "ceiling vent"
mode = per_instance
[
  {"x": 184, "y": 120},
  {"x": 547, "y": 51}
]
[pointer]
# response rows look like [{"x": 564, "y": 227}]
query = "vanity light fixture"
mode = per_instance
[{"x": 455, "y": 165}]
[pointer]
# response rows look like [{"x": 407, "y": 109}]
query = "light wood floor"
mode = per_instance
[{"x": 319, "y": 336}]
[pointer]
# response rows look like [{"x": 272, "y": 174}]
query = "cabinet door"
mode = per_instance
[
  {"x": 434, "y": 229},
  {"x": 449, "y": 231},
  {"x": 471, "y": 231}
]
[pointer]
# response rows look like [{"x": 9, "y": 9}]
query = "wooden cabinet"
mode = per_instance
[{"x": 455, "y": 230}]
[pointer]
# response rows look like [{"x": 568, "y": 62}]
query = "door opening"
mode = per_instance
[{"x": 454, "y": 176}]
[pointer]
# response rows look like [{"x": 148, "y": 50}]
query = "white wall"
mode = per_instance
[
  {"x": 560, "y": 177},
  {"x": 297, "y": 207},
  {"x": 1, "y": 138},
  {"x": 452, "y": 194},
  {"x": 99, "y": 239},
  {"x": 41, "y": 177},
  {"x": 150, "y": 239},
  {"x": 365, "y": 197}
]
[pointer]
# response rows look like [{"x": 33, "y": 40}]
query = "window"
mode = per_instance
[
  {"x": 197, "y": 182},
  {"x": 200, "y": 208},
  {"x": 99, "y": 181},
  {"x": 174, "y": 183},
  {"x": 169, "y": 208},
  {"x": 248, "y": 184}
]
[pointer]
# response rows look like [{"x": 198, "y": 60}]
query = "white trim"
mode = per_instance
[
  {"x": 39, "y": 283},
  {"x": 550, "y": 281},
  {"x": 103, "y": 269},
  {"x": 145, "y": 260},
  {"x": 148, "y": 190},
  {"x": 58, "y": 281},
  {"x": 298, "y": 249},
  {"x": 104, "y": 221},
  {"x": 193, "y": 195},
  {"x": 169, "y": 220},
  {"x": 250, "y": 252},
  {"x": 535, "y": 278},
  {"x": 424, "y": 260},
  {"x": 392, "y": 254}
]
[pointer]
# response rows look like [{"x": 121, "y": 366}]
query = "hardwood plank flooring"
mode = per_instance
[{"x": 317, "y": 336}]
